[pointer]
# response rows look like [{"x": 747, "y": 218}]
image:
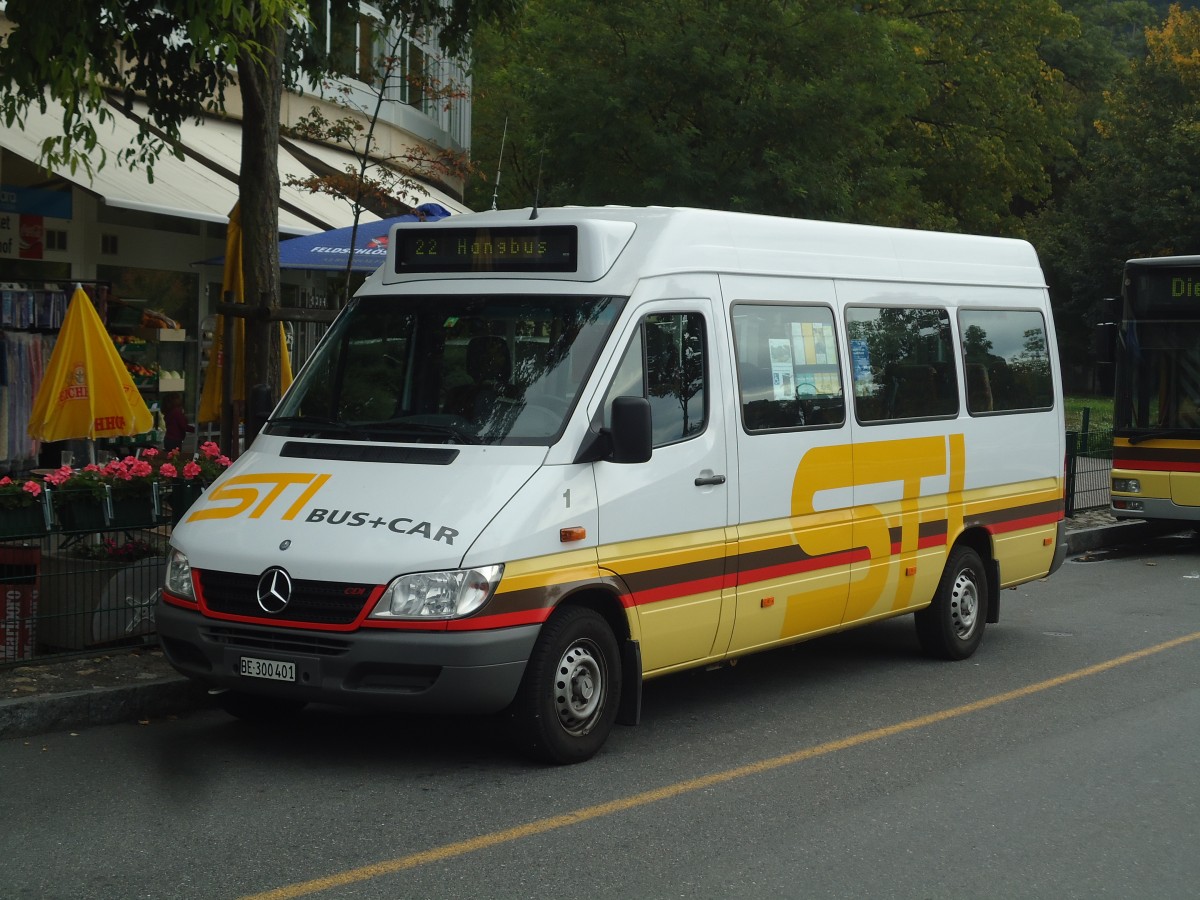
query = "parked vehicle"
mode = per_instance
[
  {"x": 543, "y": 456},
  {"x": 1156, "y": 413}
]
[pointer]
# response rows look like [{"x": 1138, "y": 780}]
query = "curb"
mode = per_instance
[
  {"x": 104, "y": 706},
  {"x": 1126, "y": 532}
]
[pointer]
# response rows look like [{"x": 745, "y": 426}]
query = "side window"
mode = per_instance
[
  {"x": 903, "y": 363},
  {"x": 787, "y": 362},
  {"x": 1006, "y": 360},
  {"x": 667, "y": 363}
]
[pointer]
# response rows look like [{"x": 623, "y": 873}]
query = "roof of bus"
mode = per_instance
[
  {"x": 1165, "y": 261},
  {"x": 671, "y": 239}
]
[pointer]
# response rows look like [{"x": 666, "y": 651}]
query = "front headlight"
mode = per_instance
[
  {"x": 438, "y": 595},
  {"x": 179, "y": 577}
]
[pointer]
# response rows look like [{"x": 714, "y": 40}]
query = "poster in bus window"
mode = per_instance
[
  {"x": 860, "y": 359},
  {"x": 782, "y": 372}
]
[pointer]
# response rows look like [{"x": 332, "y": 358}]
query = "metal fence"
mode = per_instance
[
  {"x": 71, "y": 594},
  {"x": 1089, "y": 467}
]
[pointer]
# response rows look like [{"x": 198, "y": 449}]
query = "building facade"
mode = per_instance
[{"x": 156, "y": 245}]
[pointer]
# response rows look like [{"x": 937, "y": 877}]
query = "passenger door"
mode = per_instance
[
  {"x": 794, "y": 547},
  {"x": 662, "y": 522}
]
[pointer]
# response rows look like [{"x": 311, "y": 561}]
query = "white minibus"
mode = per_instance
[{"x": 544, "y": 455}]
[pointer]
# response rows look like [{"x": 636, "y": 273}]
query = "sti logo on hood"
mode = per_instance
[{"x": 263, "y": 492}]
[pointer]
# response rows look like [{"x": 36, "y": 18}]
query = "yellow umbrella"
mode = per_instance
[
  {"x": 86, "y": 392},
  {"x": 233, "y": 285}
]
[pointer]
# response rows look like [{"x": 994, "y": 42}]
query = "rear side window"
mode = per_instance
[
  {"x": 787, "y": 362},
  {"x": 903, "y": 363},
  {"x": 1006, "y": 360}
]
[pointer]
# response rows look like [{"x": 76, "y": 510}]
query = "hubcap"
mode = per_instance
[
  {"x": 579, "y": 688},
  {"x": 964, "y": 604}
]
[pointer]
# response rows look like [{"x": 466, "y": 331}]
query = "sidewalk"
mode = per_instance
[{"x": 139, "y": 685}]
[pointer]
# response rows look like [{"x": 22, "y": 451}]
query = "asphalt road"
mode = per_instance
[{"x": 1059, "y": 762}]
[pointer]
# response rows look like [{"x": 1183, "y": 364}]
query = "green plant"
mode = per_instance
[
  {"x": 19, "y": 494},
  {"x": 1100, "y": 413}
]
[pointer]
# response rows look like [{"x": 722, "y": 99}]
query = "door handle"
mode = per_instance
[{"x": 705, "y": 480}]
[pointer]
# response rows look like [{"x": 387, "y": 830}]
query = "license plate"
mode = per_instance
[{"x": 252, "y": 667}]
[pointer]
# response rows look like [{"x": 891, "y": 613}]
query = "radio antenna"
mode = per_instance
[
  {"x": 499, "y": 162},
  {"x": 538, "y": 187}
]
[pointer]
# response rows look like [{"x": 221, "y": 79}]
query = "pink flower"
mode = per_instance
[
  {"x": 6, "y": 480},
  {"x": 149, "y": 453},
  {"x": 168, "y": 471},
  {"x": 32, "y": 487},
  {"x": 210, "y": 449},
  {"x": 140, "y": 468},
  {"x": 191, "y": 470},
  {"x": 59, "y": 476},
  {"x": 224, "y": 462}
]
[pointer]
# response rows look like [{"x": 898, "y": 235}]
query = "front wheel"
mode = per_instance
[
  {"x": 951, "y": 627},
  {"x": 568, "y": 699}
]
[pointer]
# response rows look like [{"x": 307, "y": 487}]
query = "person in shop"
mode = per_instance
[{"x": 175, "y": 422}]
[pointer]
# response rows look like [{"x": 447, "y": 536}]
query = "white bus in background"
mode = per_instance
[{"x": 544, "y": 456}]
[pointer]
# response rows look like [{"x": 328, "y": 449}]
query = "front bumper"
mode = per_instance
[{"x": 451, "y": 672}]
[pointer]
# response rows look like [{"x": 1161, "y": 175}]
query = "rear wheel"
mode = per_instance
[
  {"x": 951, "y": 627},
  {"x": 568, "y": 699}
]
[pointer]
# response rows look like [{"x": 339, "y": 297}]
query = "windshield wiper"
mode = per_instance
[
  {"x": 318, "y": 423},
  {"x": 1163, "y": 433}
]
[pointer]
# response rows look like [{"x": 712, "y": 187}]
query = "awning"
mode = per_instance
[
  {"x": 330, "y": 249},
  {"x": 202, "y": 187},
  {"x": 340, "y": 159}
]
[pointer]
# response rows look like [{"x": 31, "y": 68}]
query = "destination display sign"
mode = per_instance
[
  {"x": 551, "y": 248},
  {"x": 1158, "y": 290}
]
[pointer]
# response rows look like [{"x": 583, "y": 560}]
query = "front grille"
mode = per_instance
[
  {"x": 315, "y": 602},
  {"x": 283, "y": 642}
]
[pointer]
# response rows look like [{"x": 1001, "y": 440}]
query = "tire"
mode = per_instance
[
  {"x": 569, "y": 696},
  {"x": 951, "y": 627},
  {"x": 257, "y": 707}
]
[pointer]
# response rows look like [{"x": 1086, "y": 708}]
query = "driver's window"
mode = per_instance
[{"x": 666, "y": 362}]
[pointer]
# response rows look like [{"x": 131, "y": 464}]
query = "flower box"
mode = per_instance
[
  {"x": 25, "y": 521},
  {"x": 86, "y": 515},
  {"x": 182, "y": 495}
]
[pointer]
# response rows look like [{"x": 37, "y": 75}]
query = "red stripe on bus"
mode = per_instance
[
  {"x": 1027, "y": 522},
  {"x": 501, "y": 620},
  {"x": 1157, "y": 465}
]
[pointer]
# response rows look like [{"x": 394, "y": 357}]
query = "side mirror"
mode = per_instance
[
  {"x": 632, "y": 431},
  {"x": 1104, "y": 333}
]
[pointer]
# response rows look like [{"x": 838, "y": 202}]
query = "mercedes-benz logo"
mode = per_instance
[{"x": 274, "y": 590}]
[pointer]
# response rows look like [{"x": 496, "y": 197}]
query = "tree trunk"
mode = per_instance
[{"x": 262, "y": 90}]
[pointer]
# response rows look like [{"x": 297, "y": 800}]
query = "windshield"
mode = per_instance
[
  {"x": 1158, "y": 379},
  {"x": 449, "y": 369}
]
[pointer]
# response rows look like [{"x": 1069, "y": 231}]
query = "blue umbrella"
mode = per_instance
[{"x": 329, "y": 249}]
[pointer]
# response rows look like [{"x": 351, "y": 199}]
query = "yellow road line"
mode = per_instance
[{"x": 541, "y": 826}]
